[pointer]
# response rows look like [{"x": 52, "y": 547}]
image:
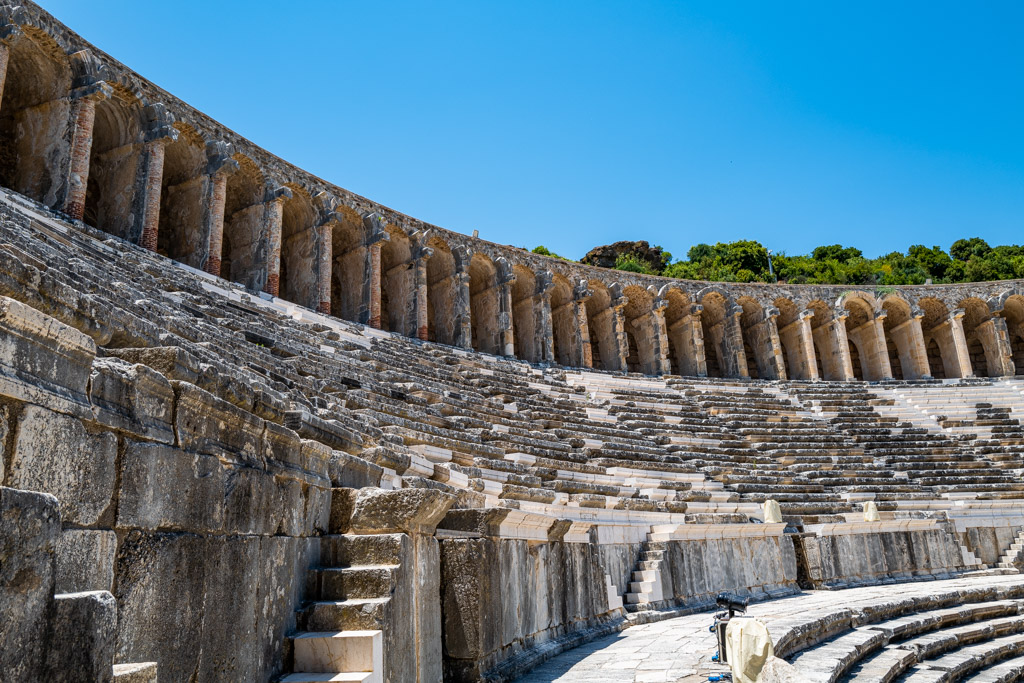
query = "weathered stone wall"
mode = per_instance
[
  {"x": 509, "y": 603},
  {"x": 503, "y": 598},
  {"x": 693, "y": 572},
  {"x": 860, "y": 558},
  {"x": 199, "y": 517}
]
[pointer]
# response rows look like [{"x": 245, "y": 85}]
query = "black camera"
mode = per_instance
[{"x": 732, "y": 602}]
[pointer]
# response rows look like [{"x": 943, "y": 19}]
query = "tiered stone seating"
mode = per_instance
[{"x": 942, "y": 637}]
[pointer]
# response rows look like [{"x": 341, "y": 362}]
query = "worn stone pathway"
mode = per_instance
[{"x": 680, "y": 649}]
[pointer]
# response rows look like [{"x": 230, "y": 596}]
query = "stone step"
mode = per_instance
[
  {"x": 340, "y": 652},
  {"x": 341, "y": 583},
  {"x": 355, "y": 614}
]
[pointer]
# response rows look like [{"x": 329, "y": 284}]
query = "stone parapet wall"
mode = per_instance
[
  {"x": 850, "y": 559},
  {"x": 200, "y": 518}
]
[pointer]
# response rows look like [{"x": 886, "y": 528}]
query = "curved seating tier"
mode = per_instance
[{"x": 501, "y": 431}]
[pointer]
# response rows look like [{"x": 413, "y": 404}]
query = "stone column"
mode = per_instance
[
  {"x": 831, "y": 340},
  {"x": 273, "y": 215},
  {"x": 506, "y": 341},
  {"x": 325, "y": 257},
  {"x": 870, "y": 340},
  {"x": 659, "y": 337},
  {"x": 154, "y": 175},
  {"x": 421, "y": 304},
  {"x": 463, "y": 315},
  {"x": 688, "y": 335},
  {"x": 375, "y": 278},
  {"x": 949, "y": 335},
  {"x": 220, "y": 166},
  {"x": 583, "y": 353},
  {"x": 734, "y": 356},
  {"x": 768, "y": 346},
  {"x": 618, "y": 336},
  {"x": 909, "y": 340},
  {"x": 83, "y": 117},
  {"x": 545, "y": 325},
  {"x": 995, "y": 339},
  {"x": 798, "y": 342}
]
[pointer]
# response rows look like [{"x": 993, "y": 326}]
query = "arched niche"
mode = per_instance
[
  {"x": 350, "y": 276},
  {"x": 183, "y": 197},
  {"x": 35, "y": 114},
  {"x": 397, "y": 283},
  {"x": 485, "y": 307},
  {"x": 442, "y": 294},
  {"x": 564, "y": 322},
  {"x": 298, "y": 282},
  {"x": 114, "y": 160},
  {"x": 242, "y": 254},
  {"x": 524, "y": 314},
  {"x": 603, "y": 345},
  {"x": 713, "y": 321}
]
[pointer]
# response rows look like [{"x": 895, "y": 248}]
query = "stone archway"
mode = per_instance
[
  {"x": 35, "y": 114},
  {"x": 183, "y": 195},
  {"x": 114, "y": 160}
]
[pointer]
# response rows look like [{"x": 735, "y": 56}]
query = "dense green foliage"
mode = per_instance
[{"x": 968, "y": 260}]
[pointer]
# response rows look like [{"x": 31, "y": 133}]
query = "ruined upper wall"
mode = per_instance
[{"x": 280, "y": 173}]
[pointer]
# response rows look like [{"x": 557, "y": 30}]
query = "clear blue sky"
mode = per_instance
[{"x": 573, "y": 124}]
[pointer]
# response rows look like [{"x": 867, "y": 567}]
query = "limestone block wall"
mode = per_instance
[
  {"x": 508, "y": 603},
  {"x": 693, "y": 572},
  {"x": 846, "y": 559},
  {"x": 199, "y": 517},
  {"x": 505, "y": 602}
]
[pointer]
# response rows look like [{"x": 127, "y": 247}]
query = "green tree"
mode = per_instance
[{"x": 963, "y": 250}]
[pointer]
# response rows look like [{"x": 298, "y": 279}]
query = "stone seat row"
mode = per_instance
[{"x": 444, "y": 397}]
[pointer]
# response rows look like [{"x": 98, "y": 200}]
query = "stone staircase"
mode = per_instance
[
  {"x": 1009, "y": 558},
  {"x": 645, "y": 590}
]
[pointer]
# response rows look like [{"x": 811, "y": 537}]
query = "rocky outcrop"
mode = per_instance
[{"x": 606, "y": 256}]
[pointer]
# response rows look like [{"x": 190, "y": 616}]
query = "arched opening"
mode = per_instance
[
  {"x": 794, "y": 352},
  {"x": 761, "y": 347},
  {"x": 564, "y": 323},
  {"x": 183, "y": 196},
  {"x": 242, "y": 256},
  {"x": 298, "y": 249},
  {"x": 868, "y": 354},
  {"x": 484, "y": 306},
  {"x": 938, "y": 370},
  {"x": 685, "y": 338},
  {"x": 1013, "y": 311},
  {"x": 983, "y": 346},
  {"x": 524, "y": 314},
  {"x": 939, "y": 339},
  {"x": 603, "y": 345},
  {"x": 712, "y": 322},
  {"x": 899, "y": 342},
  {"x": 828, "y": 355},
  {"x": 397, "y": 284},
  {"x": 34, "y": 117},
  {"x": 114, "y": 167},
  {"x": 441, "y": 294},
  {"x": 641, "y": 331},
  {"x": 350, "y": 282}
]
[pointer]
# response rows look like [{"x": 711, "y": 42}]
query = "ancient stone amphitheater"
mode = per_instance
[{"x": 254, "y": 427}]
